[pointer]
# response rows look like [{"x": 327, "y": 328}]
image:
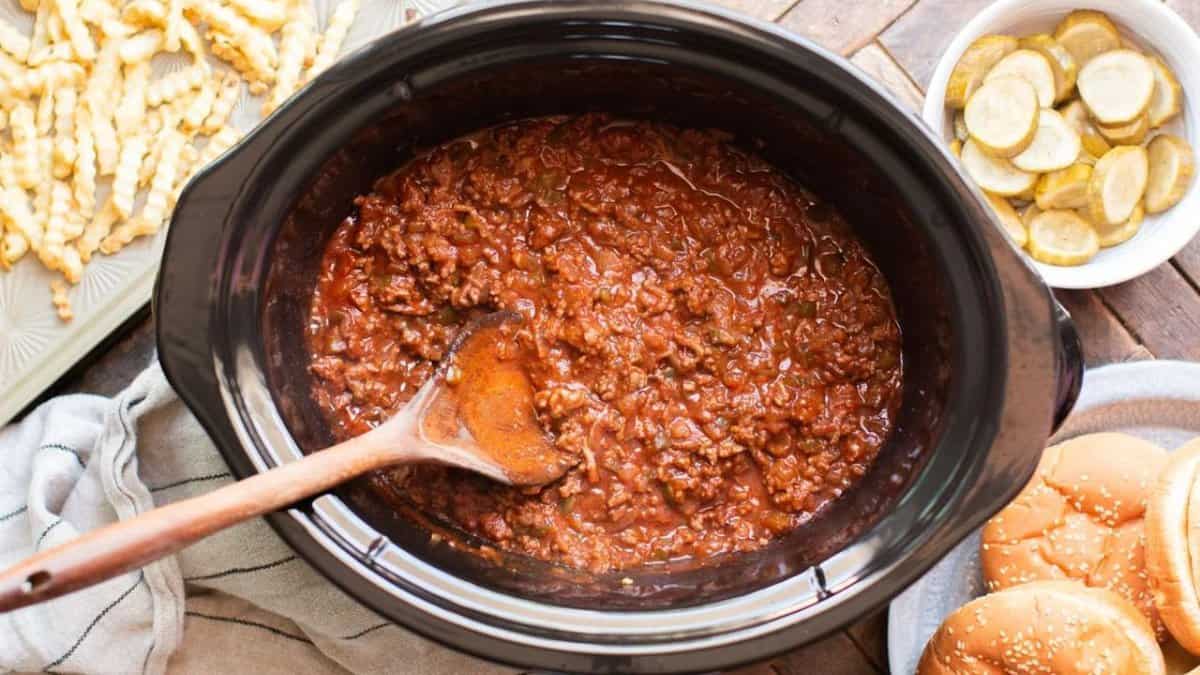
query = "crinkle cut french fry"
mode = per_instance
[
  {"x": 61, "y": 300},
  {"x": 294, "y": 46},
  {"x": 8, "y": 169},
  {"x": 161, "y": 120},
  {"x": 44, "y": 117},
  {"x": 131, "y": 109},
  {"x": 160, "y": 199},
  {"x": 173, "y": 85},
  {"x": 54, "y": 25},
  {"x": 13, "y": 41},
  {"x": 105, "y": 137},
  {"x": 54, "y": 240},
  {"x": 26, "y": 158},
  {"x": 29, "y": 5},
  {"x": 95, "y": 231},
  {"x": 71, "y": 265},
  {"x": 3, "y": 119},
  {"x": 15, "y": 207},
  {"x": 40, "y": 39},
  {"x": 106, "y": 72},
  {"x": 125, "y": 181},
  {"x": 65, "y": 101},
  {"x": 76, "y": 223},
  {"x": 254, "y": 43},
  {"x": 223, "y": 48},
  {"x": 268, "y": 14},
  {"x": 200, "y": 107},
  {"x": 15, "y": 247},
  {"x": 217, "y": 145},
  {"x": 191, "y": 41},
  {"x": 9, "y": 68},
  {"x": 77, "y": 32},
  {"x": 126, "y": 232},
  {"x": 83, "y": 179},
  {"x": 186, "y": 169},
  {"x": 335, "y": 34},
  {"x": 139, "y": 48},
  {"x": 222, "y": 107},
  {"x": 115, "y": 29},
  {"x": 173, "y": 22},
  {"x": 156, "y": 207},
  {"x": 145, "y": 14},
  {"x": 96, "y": 12}
]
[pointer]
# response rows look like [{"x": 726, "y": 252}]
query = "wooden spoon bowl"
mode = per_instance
[{"x": 476, "y": 413}]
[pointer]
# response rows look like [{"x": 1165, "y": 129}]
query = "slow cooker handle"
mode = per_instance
[{"x": 1070, "y": 364}]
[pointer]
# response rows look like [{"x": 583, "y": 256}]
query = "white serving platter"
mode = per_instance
[
  {"x": 1155, "y": 400},
  {"x": 36, "y": 348}
]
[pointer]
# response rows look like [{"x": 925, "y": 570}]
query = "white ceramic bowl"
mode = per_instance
[{"x": 1152, "y": 27}]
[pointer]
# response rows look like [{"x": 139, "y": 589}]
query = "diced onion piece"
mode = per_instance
[
  {"x": 1117, "y": 86},
  {"x": 1061, "y": 237},
  {"x": 1002, "y": 116},
  {"x": 1172, "y": 165},
  {"x": 1117, "y": 184}
]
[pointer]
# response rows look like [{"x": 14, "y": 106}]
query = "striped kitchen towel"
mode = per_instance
[{"x": 239, "y": 601}]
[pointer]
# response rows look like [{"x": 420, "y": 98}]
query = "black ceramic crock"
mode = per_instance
[{"x": 991, "y": 363}]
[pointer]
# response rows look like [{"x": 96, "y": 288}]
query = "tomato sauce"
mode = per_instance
[{"x": 706, "y": 337}]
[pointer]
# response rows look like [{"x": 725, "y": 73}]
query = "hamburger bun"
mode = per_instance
[
  {"x": 1081, "y": 518},
  {"x": 1054, "y": 627},
  {"x": 1173, "y": 545}
]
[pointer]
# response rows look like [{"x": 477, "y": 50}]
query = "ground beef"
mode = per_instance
[{"x": 710, "y": 340}]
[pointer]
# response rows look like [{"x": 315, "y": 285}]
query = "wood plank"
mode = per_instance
[
  {"x": 840, "y": 26},
  {"x": 877, "y": 63},
  {"x": 1162, "y": 310},
  {"x": 1188, "y": 261},
  {"x": 1105, "y": 339},
  {"x": 835, "y": 655},
  {"x": 768, "y": 10},
  {"x": 918, "y": 39},
  {"x": 870, "y": 635}
]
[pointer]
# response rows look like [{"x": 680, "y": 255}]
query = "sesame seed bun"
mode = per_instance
[
  {"x": 1173, "y": 545},
  {"x": 1053, "y": 627},
  {"x": 1081, "y": 518}
]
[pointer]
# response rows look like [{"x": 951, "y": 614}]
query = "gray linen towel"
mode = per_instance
[{"x": 239, "y": 601}]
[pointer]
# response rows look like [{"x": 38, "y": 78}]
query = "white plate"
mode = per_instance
[
  {"x": 1151, "y": 26},
  {"x": 1155, "y": 400},
  {"x": 35, "y": 347}
]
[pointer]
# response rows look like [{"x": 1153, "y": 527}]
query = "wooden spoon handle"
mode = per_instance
[{"x": 118, "y": 548}]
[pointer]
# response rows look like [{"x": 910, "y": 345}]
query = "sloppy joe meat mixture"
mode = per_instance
[{"x": 709, "y": 338}]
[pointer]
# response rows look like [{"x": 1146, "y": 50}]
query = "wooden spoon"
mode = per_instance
[{"x": 475, "y": 413}]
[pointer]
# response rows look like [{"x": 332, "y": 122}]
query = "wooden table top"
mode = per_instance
[{"x": 899, "y": 43}]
